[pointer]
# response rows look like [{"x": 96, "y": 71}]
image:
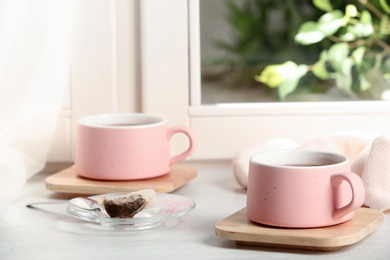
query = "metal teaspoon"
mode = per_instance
[{"x": 79, "y": 202}]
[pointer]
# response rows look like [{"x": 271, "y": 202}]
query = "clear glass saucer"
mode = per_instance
[{"x": 167, "y": 206}]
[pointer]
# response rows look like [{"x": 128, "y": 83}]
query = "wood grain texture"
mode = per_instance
[
  {"x": 67, "y": 181},
  {"x": 239, "y": 228}
]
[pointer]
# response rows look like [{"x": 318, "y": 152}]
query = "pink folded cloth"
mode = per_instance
[
  {"x": 373, "y": 166},
  {"x": 369, "y": 156}
]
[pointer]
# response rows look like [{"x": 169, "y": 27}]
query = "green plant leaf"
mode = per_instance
[
  {"x": 320, "y": 71},
  {"x": 331, "y": 22},
  {"x": 364, "y": 83},
  {"x": 343, "y": 77},
  {"x": 358, "y": 55},
  {"x": 365, "y": 17},
  {"x": 351, "y": 11},
  {"x": 274, "y": 75},
  {"x": 384, "y": 25},
  {"x": 327, "y": 24},
  {"x": 291, "y": 82},
  {"x": 309, "y": 33},
  {"x": 324, "y": 56},
  {"x": 385, "y": 6},
  {"x": 324, "y": 5},
  {"x": 286, "y": 88},
  {"x": 284, "y": 76},
  {"x": 270, "y": 76},
  {"x": 348, "y": 35},
  {"x": 359, "y": 30},
  {"x": 337, "y": 55},
  {"x": 366, "y": 22}
]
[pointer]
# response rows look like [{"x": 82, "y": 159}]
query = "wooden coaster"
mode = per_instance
[
  {"x": 239, "y": 228},
  {"x": 67, "y": 181}
]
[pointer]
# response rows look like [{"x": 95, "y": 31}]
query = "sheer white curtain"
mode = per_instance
[{"x": 35, "y": 40}]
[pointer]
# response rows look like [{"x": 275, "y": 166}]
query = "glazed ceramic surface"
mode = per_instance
[
  {"x": 302, "y": 189},
  {"x": 126, "y": 146}
]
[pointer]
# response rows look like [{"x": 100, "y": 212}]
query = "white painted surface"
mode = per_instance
[{"x": 51, "y": 233}]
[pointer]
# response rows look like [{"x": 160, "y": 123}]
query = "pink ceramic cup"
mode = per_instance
[
  {"x": 302, "y": 189},
  {"x": 126, "y": 146}
]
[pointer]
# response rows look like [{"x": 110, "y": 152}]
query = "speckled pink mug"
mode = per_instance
[
  {"x": 302, "y": 189},
  {"x": 126, "y": 146}
]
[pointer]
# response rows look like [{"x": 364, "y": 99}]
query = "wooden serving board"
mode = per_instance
[
  {"x": 67, "y": 181},
  {"x": 239, "y": 228}
]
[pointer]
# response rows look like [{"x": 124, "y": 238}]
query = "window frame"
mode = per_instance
[{"x": 171, "y": 81}]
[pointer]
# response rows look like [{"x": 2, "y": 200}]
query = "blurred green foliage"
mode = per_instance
[
  {"x": 263, "y": 32},
  {"x": 357, "y": 56},
  {"x": 299, "y": 44}
]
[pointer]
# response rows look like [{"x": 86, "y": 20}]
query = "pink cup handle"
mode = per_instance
[
  {"x": 188, "y": 133},
  {"x": 358, "y": 192}
]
